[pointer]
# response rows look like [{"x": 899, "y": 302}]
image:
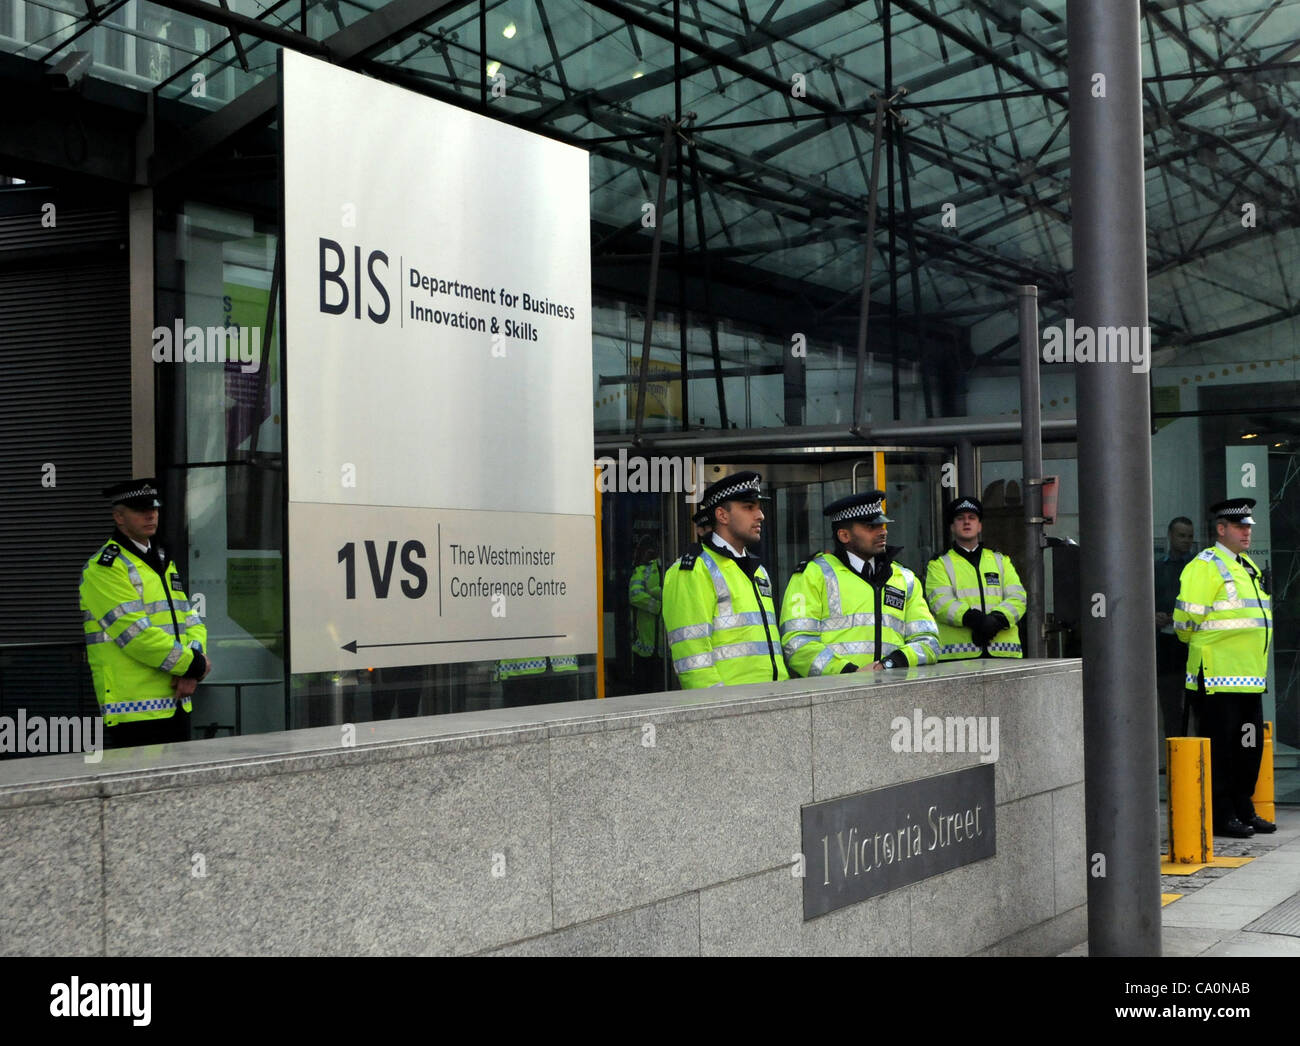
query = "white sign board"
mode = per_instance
[{"x": 437, "y": 323}]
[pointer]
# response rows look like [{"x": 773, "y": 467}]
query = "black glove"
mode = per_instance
[
  {"x": 974, "y": 620},
  {"x": 993, "y": 624},
  {"x": 894, "y": 660},
  {"x": 850, "y": 667}
]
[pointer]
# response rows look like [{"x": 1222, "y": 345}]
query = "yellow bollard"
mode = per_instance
[
  {"x": 1263, "y": 797},
  {"x": 1191, "y": 840}
]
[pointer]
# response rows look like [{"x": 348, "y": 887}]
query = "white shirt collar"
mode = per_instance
[
  {"x": 1226, "y": 552},
  {"x": 723, "y": 543},
  {"x": 858, "y": 563},
  {"x": 142, "y": 548}
]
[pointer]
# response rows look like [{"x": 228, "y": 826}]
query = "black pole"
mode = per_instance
[
  {"x": 1110, "y": 291},
  {"x": 1031, "y": 441},
  {"x": 864, "y": 308},
  {"x": 652, "y": 290},
  {"x": 702, "y": 236}
]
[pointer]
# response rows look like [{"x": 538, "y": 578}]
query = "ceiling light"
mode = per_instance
[
  {"x": 637, "y": 75},
  {"x": 509, "y": 31},
  {"x": 1250, "y": 435},
  {"x": 492, "y": 68}
]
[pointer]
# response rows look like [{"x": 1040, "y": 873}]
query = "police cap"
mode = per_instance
[
  {"x": 867, "y": 507},
  {"x": 139, "y": 494},
  {"x": 740, "y": 486},
  {"x": 962, "y": 503},
  {"x": 1234, "y": 510}
]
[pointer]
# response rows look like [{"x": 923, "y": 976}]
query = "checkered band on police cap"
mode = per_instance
[
  {"x": 869, "y": 506},
  {"x": 1234, "y": 510},
  {"x": 743, "y": 485}
]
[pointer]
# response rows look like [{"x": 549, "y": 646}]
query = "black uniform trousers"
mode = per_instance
[
  {"x": 175, "y": 727},
  {"x": 1235, "y": 752}
]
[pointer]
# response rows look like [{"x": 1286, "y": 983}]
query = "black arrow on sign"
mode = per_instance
[{"x": 354, "y": 646}]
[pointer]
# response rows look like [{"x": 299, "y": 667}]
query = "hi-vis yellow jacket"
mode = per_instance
[
  {"x": 721, "y": 622},
  {"x": 953, "y": 586},
  {"x": 140, "y": 634},
  {"x": 832, "y": 617},
  {"x": 1224, "y": 616}
]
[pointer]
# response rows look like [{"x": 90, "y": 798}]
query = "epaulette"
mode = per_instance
[
  {"x": 687, "y": 562},
  {"x": 1208, "y": 555},
  {"x": 109, "y": 554},
  {"x": 803, "y": 565}
]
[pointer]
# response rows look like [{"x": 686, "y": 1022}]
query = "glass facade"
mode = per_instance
[{"x": 739, "y": 140}]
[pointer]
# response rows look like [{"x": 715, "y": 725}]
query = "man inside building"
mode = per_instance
[
  {"x": 974, "y": 592},
  {"x": 1171, "y": 655},
  {"x": 645, "y": 595},
  {"x": 856, "y": 608},
  {"x": 1223, "y": 615},
  {"x": 145, "y": 645},
  {"x": 717, "y": 602}
]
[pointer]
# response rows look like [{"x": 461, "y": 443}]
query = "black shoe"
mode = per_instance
[
  {"x": 1260, "y": 825},
  {"x": 1234, "y": 828}
]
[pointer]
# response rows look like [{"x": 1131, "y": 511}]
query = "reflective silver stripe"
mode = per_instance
[
  {"x": 167, "y": 627},
  {"x": 844, "y": 649},
  {"x": 1229, "y": 585},
  {"x": 193, "y": 621},
  {"x": 794, "y": 643},
  {"x": 134, "y": 575},
  {"x": 843, "y": 621},
  {"x": 1014, "y": 592},
  {"x": 86, "y": 615},
  {"x": 135, "y": 606},
  {"x": 820, "y": 662},
  {"x": 752, "y": 617},
  {"x": 1227, "y": 624},
  {"x": 832, "y": 588},
  {"x": 196, "y": 646},
  {"x": 968, "y": 593},
  {"x": 734, "y": 650},
  {"x": 171, "y": 660},
  {"x": 1240, "y": 604},
  {"x": 720, "y": 588},
  {"x": 1184, "y": 626},
  {"x": 158, "y": 606},
  {"x": 131, "y": 631},
  {"x": 929, "y": 644},
  {"x": 919, "y": 626},
  {"x": 1190, "y": 608},
  {"x": 680, "y": 635},
  {"x": 181, "y": 606},
  {"x": 800, "y": 624},
  {"x": 686, "y": 664},
  {"x": 96, "y": 637}
]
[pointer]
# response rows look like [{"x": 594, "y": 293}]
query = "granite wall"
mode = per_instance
[{"x": 663, "y": 824}]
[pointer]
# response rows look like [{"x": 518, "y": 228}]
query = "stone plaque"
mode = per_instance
[{"x": 866, "y": 844}]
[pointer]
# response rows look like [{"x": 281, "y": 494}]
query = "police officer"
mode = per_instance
[
  {"x": 146, "y": 646},
  {"x": 974, "y": 593},
  {"x": 717, "y": 601},
  {"x": 1223, "y": 615},
  {"x": 645, "y": 596},
  {"x": 856, "y": 608}
]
